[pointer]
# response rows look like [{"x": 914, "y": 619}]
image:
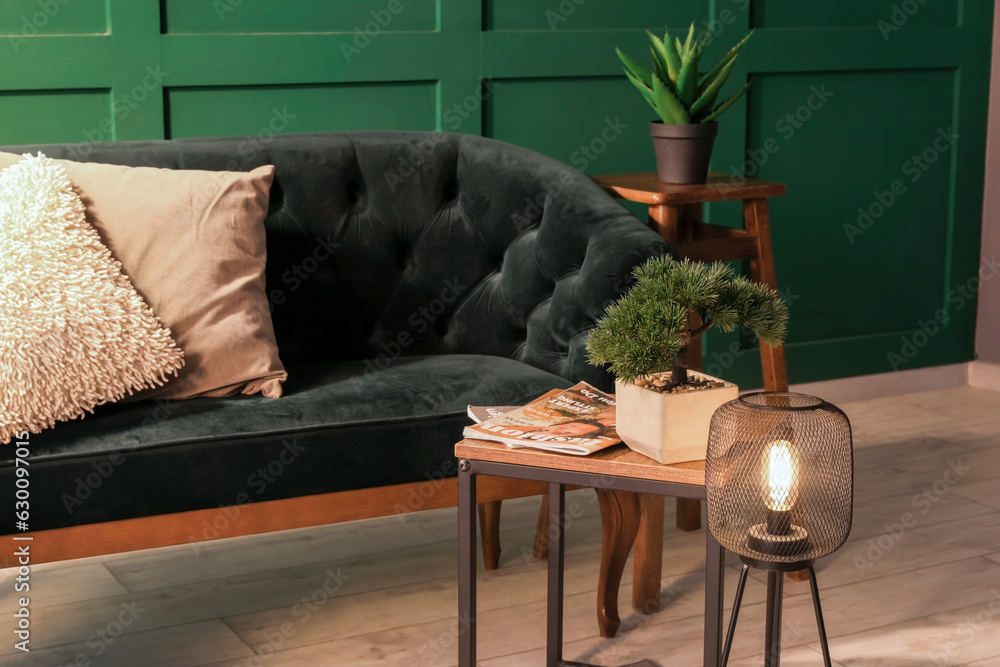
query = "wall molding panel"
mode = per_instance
[{"x": 868, "y": 295}]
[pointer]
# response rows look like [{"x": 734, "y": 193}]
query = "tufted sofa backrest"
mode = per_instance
[{"x": 382, "y": 244}]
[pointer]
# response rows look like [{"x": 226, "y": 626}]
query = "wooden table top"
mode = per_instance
[
  {"x": 646, "y": 188},
  {"x": 616, "y": 460}
]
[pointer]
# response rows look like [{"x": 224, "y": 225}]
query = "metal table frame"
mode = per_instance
[{"x": 558, "y": 479}]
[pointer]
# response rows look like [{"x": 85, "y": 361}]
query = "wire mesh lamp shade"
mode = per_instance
[
  {"x": 779, "y": 482},
  {"x": 779, "y": 478}
]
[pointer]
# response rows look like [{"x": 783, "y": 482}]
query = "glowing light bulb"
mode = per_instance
[{"x": 780, "y": 476}]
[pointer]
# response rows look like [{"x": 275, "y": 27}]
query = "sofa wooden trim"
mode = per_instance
[{"x": 199, "y": 526}]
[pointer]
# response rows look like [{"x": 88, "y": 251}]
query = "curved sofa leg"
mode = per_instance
[
  {"x": 619, "y": 525},
  {"x": 688, "y": 514},
  {"x": 489, "y": 528},
  {"x": 540, "y": 551}
]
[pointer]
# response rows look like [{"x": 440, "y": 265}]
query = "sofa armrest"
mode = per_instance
[{"x": 589, "y": 244}]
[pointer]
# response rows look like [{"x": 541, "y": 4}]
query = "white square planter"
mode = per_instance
[{"x": 669, "y": 428}]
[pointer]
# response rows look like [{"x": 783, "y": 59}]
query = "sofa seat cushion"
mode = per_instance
[{"x": 339, "y": 426}]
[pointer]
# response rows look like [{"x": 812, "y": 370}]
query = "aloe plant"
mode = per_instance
[{"x": 673, "y": 88}]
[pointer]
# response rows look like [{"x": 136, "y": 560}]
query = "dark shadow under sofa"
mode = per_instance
[{"x": 409, "y": 275}]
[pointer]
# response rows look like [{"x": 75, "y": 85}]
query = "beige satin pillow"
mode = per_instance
[
  {"x": 74, "y": 333},
  {"x": 192, "y": 242}
]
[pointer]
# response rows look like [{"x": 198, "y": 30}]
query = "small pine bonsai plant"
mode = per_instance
[
  {"x": 647, "y": 330},
  {"x": 674, "y": 89}
]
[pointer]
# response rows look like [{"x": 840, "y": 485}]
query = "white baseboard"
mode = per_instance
[
  {"x": 866, "y": 387},
  {"x": 984, "y": 375}
]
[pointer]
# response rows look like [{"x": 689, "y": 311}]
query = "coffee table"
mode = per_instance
[{"x": 620, "y": 476}]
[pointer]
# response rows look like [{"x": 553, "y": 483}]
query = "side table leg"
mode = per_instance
[
  {"x": 664, "y": 220},
  {"x": 757, "y": 222},
  {"x": 715, "y": 573},
  {"x": 553, "y": 645},
  {"x": 648, "y": 559},
  {"x": 619, "y": 524},
  {"x": 466, "y": 566}
]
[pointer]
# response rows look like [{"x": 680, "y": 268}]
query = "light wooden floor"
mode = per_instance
[{"x": 383, "y": 592}]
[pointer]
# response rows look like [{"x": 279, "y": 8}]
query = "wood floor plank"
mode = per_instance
[
  {"x": 985, "y": 491},
  {"x": 179, "y": 646},
  {"x": 185, "y": 564},
  {"x": 960, "y": 636},
  {"x": 62, "y": 585}
]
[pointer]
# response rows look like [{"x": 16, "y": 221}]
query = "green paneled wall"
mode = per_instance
[
  {"x": 53, "y": 17},
  {"x": 857, "y": 100}
]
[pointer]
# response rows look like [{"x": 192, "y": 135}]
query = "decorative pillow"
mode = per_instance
[
  {"x": 193, "y": 244},
  {"x": 74, "y": 333}
]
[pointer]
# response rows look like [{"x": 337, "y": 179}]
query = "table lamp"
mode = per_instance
[{"x": 779, "y": 479}]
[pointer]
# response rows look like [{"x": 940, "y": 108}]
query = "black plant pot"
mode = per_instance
[{"x": 683, "y": 151}]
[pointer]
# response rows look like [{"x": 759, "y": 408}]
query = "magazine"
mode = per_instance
[
  {"x": 579, "y": 420},
  {"x": 482, "y": 413}
]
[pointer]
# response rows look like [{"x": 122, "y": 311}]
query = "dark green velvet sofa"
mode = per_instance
[{"x": 409, "y": 275}]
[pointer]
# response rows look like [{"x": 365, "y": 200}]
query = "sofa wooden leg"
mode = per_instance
[
  {"x": 540, "y": 551},
  {"x": 489, "y": 528},
  {"x": 688, "y": 514},
  {"x": 648, "y": 558},
  {"x": 619, "y": 524}
]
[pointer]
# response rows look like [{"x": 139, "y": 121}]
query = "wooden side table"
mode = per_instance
[
  {"x": 620, "y": 477},
  {"x": 675, "y": 213}
]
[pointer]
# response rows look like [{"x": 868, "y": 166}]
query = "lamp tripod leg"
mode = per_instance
[
  {"x": 736, "y": 612},
  {"x": 772, "y": 632},
  {"x": 819, "y": 617}
]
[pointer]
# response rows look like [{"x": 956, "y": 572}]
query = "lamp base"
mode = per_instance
[
  {"x": 772, "y": 642},
  {"x": 761, "y": 540}
]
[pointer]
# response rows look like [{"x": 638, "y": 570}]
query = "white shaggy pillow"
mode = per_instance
[{"x": 74, "y": 333}]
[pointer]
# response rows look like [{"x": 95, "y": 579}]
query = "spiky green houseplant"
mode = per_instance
[
  {"x": 647, "y": 330},
  {"x": 673, "y": 88}
]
